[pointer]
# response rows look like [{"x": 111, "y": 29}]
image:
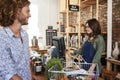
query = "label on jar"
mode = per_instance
[{"x": 38, "y": 68}]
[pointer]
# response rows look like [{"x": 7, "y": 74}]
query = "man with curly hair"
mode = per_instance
[{"x": 14, "y": 47}]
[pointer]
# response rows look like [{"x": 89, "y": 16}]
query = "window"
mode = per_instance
[{"x": 33, "y": 29}]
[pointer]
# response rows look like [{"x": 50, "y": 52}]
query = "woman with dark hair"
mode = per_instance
[
  {"x": 14, "y": 49},
  {"x": 92, "y": 48}
]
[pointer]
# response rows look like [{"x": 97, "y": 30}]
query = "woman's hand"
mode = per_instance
[
  {"x": 79, "y": 58},
  {"x": 91, "y": 69}
]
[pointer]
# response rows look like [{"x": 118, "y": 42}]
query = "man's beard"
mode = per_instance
[{"x": 23, "y": 21}]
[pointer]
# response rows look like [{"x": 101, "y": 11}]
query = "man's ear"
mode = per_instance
[{"x": 18, "y": 12}]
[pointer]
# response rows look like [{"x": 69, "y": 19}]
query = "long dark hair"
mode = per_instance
[
  {"x": 8, "y": 10},
  {"x": 95, "y": 26}
]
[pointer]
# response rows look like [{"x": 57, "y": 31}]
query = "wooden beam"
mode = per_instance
[{"x": 87, "y": 3}]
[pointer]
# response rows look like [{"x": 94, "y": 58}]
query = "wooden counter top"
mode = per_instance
[{"x": 117, "y": 62}]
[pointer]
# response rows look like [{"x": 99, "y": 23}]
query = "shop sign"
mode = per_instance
[{"x": 73, "y": 7}]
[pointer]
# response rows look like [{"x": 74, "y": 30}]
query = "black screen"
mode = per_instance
[{"x": 59, "y": 43}]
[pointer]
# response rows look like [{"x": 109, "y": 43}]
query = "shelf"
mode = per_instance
[
  {"x": 62, "y": 32},
  {"x": 83, "y": 32},
  {"x": 104, "y": 32},
  {"x": 63, "y": 12},
  {"x": 102, "y": 5},
  {"x": 117, "y": 62},
  {"x": 73, "y": 11},
  {"x": 73, "y": 33},
  {"x": 73, "y": 24},
  {"x": 73, "y": 48}
]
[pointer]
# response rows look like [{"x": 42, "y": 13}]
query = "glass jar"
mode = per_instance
[
  {"x": 37, "y": 67},
  {"x": 34, "y": 41}
]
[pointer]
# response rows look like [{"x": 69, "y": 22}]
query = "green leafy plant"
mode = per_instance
[{"x": 52, "y": 62}]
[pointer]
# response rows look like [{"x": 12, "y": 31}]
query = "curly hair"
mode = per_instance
[
  {"x": 95, "y": 26},
  {"x": 8, "y": 10}
]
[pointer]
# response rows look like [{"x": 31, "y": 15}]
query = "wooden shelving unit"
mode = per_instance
[
  {"x": 70, "y": 21},
  {"x": 73, "y": 21}
]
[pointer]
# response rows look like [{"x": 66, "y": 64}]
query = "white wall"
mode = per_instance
[{"x": 47, "y": 15}]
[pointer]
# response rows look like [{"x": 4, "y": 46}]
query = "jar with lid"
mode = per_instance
[
  {"x": 34, "y": 41},
  {"x": 38, "y": 66}
]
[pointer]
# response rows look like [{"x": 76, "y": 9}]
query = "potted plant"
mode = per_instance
[{"x": 52, "y": 62}]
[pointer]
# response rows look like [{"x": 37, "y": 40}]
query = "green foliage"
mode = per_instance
[{"x": 51, "y": 63}]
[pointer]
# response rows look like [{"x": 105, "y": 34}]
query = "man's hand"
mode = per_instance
[
  {"x": 16, "y": 77},
  {"x": 34, "y": 77}
]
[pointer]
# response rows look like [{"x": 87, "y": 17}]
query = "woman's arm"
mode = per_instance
[
  {"x": 99, "y": 46},
  {"x": 91, "y": 69},
  {"x": 79, "y": 51}
]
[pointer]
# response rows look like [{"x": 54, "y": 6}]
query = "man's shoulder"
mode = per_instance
[
  {"x": 2, "y": 34},
  {"x": 24, "y": 33},
  {"x": 1, "y": 31}
]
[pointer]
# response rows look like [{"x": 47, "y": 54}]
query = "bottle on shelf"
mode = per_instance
[
  {"x": 40, "y": 42},
  {"x": 74, "y": 41},
  {"x": 34, "y": 41},
  {"x": 115, "y": 51},
  {"x": 62, "y": 29}
]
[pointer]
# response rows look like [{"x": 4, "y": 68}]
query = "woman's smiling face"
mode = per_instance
[{"x": 88, "y": 29}]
